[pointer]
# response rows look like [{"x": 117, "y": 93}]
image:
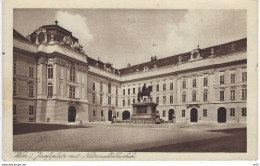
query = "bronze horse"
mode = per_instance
[{"x": 146, "y": 92}]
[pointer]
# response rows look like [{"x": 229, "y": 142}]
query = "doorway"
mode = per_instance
[
  {"x": 193, "y": 115},
  {"x": 222, "y": 115},
  {"x": 72, "y": 114}
]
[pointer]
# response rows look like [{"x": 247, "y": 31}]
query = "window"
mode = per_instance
[
  {"x": 205, "y": 112},
  {"x": 163, "y": 113},
  {"x": 133, "y": 101},
  {"x": 101, "y": 113},
  {"x": 31, "y": 72},
  {"x": 123, "y": 91},
  {"x": 101, "y": 99},
  {"x": 31, "y": 110},
  {"x": 31, "y": 119},
  {"x": 30, "y": 89},
  {"x": 109, "y": 100},
  {"x": 157, "y": 100},
  {"x": 50, "y": 70},
  {"x": 183, "y": 84},
  {"x": 183, "y": 113},
  {"x": 164, "y": 99},
  {"x": 205, "y": 95},
  {"x": 139, "y": 89},
  {"x": 164, "y": 87},
  {"x": 123, "y": 103},
  {"x": 72, "y": 92},
  {"x": 101, "y": 87},
  {"x": 72, "y": 73},
  {"x": 194, "y": 96},
  {"x": 133, "y": 90},
  {"x": 14, "y": 109},
  {"x": 93, "y": 98},
  {"x": 109, "y": 88},
  {"x": 116, "y": 91},
  {"x": 244, "y": 76},
  {"x": 116, "y": 101},
  {"x": 94, "y": 113},
  {"x": 232, "y": 111},
  {"x": 14, "y": 87},
  {"x": 194, "y": 83},
  {"x": 243, "y": 111},
  {"x": 128, "y": 91},
  {"x": 50, "y": 90},
  {"x": 244, "y": 94},
  {"x": 171, "y": 99},
  {"x": 205, "y": 81},
  {"x": 14, "y": 67},
  {"x": 157, "y": 88},
  {"x": 232, "y": 78},
  {"x": 171, "y": 86},
  {"x": 222, "y": 80},
  {"x": 117, "y": 114},
  {"x": 183, "y": 98},
  {"x": 222, "y": 95},
  {"x": 93, "y": 86},
  {"x": 232, "y": 95},
  {"x": 128, "y": 102}
]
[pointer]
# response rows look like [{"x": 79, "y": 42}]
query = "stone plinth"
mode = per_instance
[{"x": 144, "y": 112}]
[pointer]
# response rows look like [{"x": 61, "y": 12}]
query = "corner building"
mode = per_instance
[{"x": 56, "y": 82}]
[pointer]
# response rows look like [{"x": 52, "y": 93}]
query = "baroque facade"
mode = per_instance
[{"x": 55, "y": 81}]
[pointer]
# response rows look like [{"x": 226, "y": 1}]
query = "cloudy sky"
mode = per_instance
[{"x": 133, "y": 36}]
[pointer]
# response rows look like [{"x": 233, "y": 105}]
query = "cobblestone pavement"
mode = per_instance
[{"x": 104, "y": 137}]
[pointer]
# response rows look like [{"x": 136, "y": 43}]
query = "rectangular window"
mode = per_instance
[
  {"x": 194, "y": 97},
  {"x": 205, "y": 112},
  {"x": 157, "y": 88},
  {"x": 232, "y": 111},
  {"x": 128, "y": 91},
  {"x": 232, "y": 78},
  {"x": 133, "y": 90},
  {"x": 244, "y": 76},
  {"x": 164, "y": 114},
  {"x": 50, "y": 72},
  {"x": 184, "y": 84},
  {"x": 14, "y": 87},
  {"x": 109, "y": 100},
  {"x": 183, "y": 98},
  {"x": 31, "y": 110},
  {"x": 101, "y": 87},
  {"x": 93, "y": 98},
  {"x": 205, "y": 81},
  {"x": 31, "y": 72},
  {"x": 116, "y": 101},
  {"x": 14, "y": 109},
  {"x": 109, "y": 88},
  {"x": 116, "y": 91},
  {"x": 50, "y": 91},
  {"x": 123, "y": 91},
  {"x": 183, "y": 113},
  {"x": 205, "y": 96},
  {"x": 232, "y": 95},
  {"x": 128, "y": 102},
  {"x": 221, "y": 95},
  {"x": 94, "y": 113},
  {"x": 171, "y": 99},
  {"x": 157, "y": 100},
  {"x": 194, "y": 83},
  {"x": 164, "y": 87},
  {"x": 244, "y": 94},
  {"x": 93, "y": 86},
  {"x": 117, "y": 114},
  {"x": 72, "y": 92},
  {"x": 72, "y": 73},
  {"x": 30, "y": 90},
  {"x": 243, "y": 111},
  {"x": 164, "y": 99},
  {"x": 102, "y": 113},
  {"x": 101, "y": 99},
  {"x": 222, "y": 79},
  {"x": 171, "y": 86},
  {"x": 123, "y": 103},
  {"x": 133, "y": 101},
  {"x": 14, "y": 67}
]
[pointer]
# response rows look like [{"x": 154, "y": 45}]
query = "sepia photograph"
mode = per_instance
[{"x": 129, "y": 80}]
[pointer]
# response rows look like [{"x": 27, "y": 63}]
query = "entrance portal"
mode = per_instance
[
  {"x": 193, "y": 115},
  {"x": 109, "y": 115},
  {"x": 222, "y": 115},
  {"x": 126, "y": 115},
  {"x": 171, "y": 114},
  {"x": 72, "y": 114}
]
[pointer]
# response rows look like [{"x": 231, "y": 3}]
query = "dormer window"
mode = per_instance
[{"x": 145, "y": 68}]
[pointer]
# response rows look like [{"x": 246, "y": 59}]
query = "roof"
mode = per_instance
[{"x": 19, "y": 36}]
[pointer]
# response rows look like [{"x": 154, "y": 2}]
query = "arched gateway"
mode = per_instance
[
  {"x": 72, "y": 114},
  {"x": 110, "y": 115},
  {"x": 222, "y": 115},
  {"x": 193, "y": 115},
  {"x": 125, "y": 115}
]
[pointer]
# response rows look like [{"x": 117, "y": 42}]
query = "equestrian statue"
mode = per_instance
[{"x": 145, "y": 92}]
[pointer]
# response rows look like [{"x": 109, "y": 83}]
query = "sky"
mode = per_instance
[{"x": 122, "y": 36}]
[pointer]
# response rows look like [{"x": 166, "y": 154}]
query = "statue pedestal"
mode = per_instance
[{"x": 144, "y": 112}]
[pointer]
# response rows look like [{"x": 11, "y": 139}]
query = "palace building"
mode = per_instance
[{"x": 54, "y": 81}]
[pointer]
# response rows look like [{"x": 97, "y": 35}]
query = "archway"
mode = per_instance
[
  {"x": 72, "y": 114},
  {"x": 222, "y": 115},
  {"x": 109, "y": 115},
  {"x": 170, "y": 114},
  {"x": 126, "y": 115},
  {"x": 193, "y": 115}
]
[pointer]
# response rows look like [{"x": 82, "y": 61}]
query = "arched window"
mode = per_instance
[
  {"x": 50, "y": 90},
  {"x": 205, "y": 95},
  {"x": 50, "y": 71},
  {"x": 30, "y": 87},
  {"x": 72, "y": 73}
]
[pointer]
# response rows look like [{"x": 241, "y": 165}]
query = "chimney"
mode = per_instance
[
  {"x": 153, "y": 58},
  {"x": 128, "y": 65}
]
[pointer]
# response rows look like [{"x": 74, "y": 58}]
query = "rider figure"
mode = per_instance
[{"x": 144, "y": 88}]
